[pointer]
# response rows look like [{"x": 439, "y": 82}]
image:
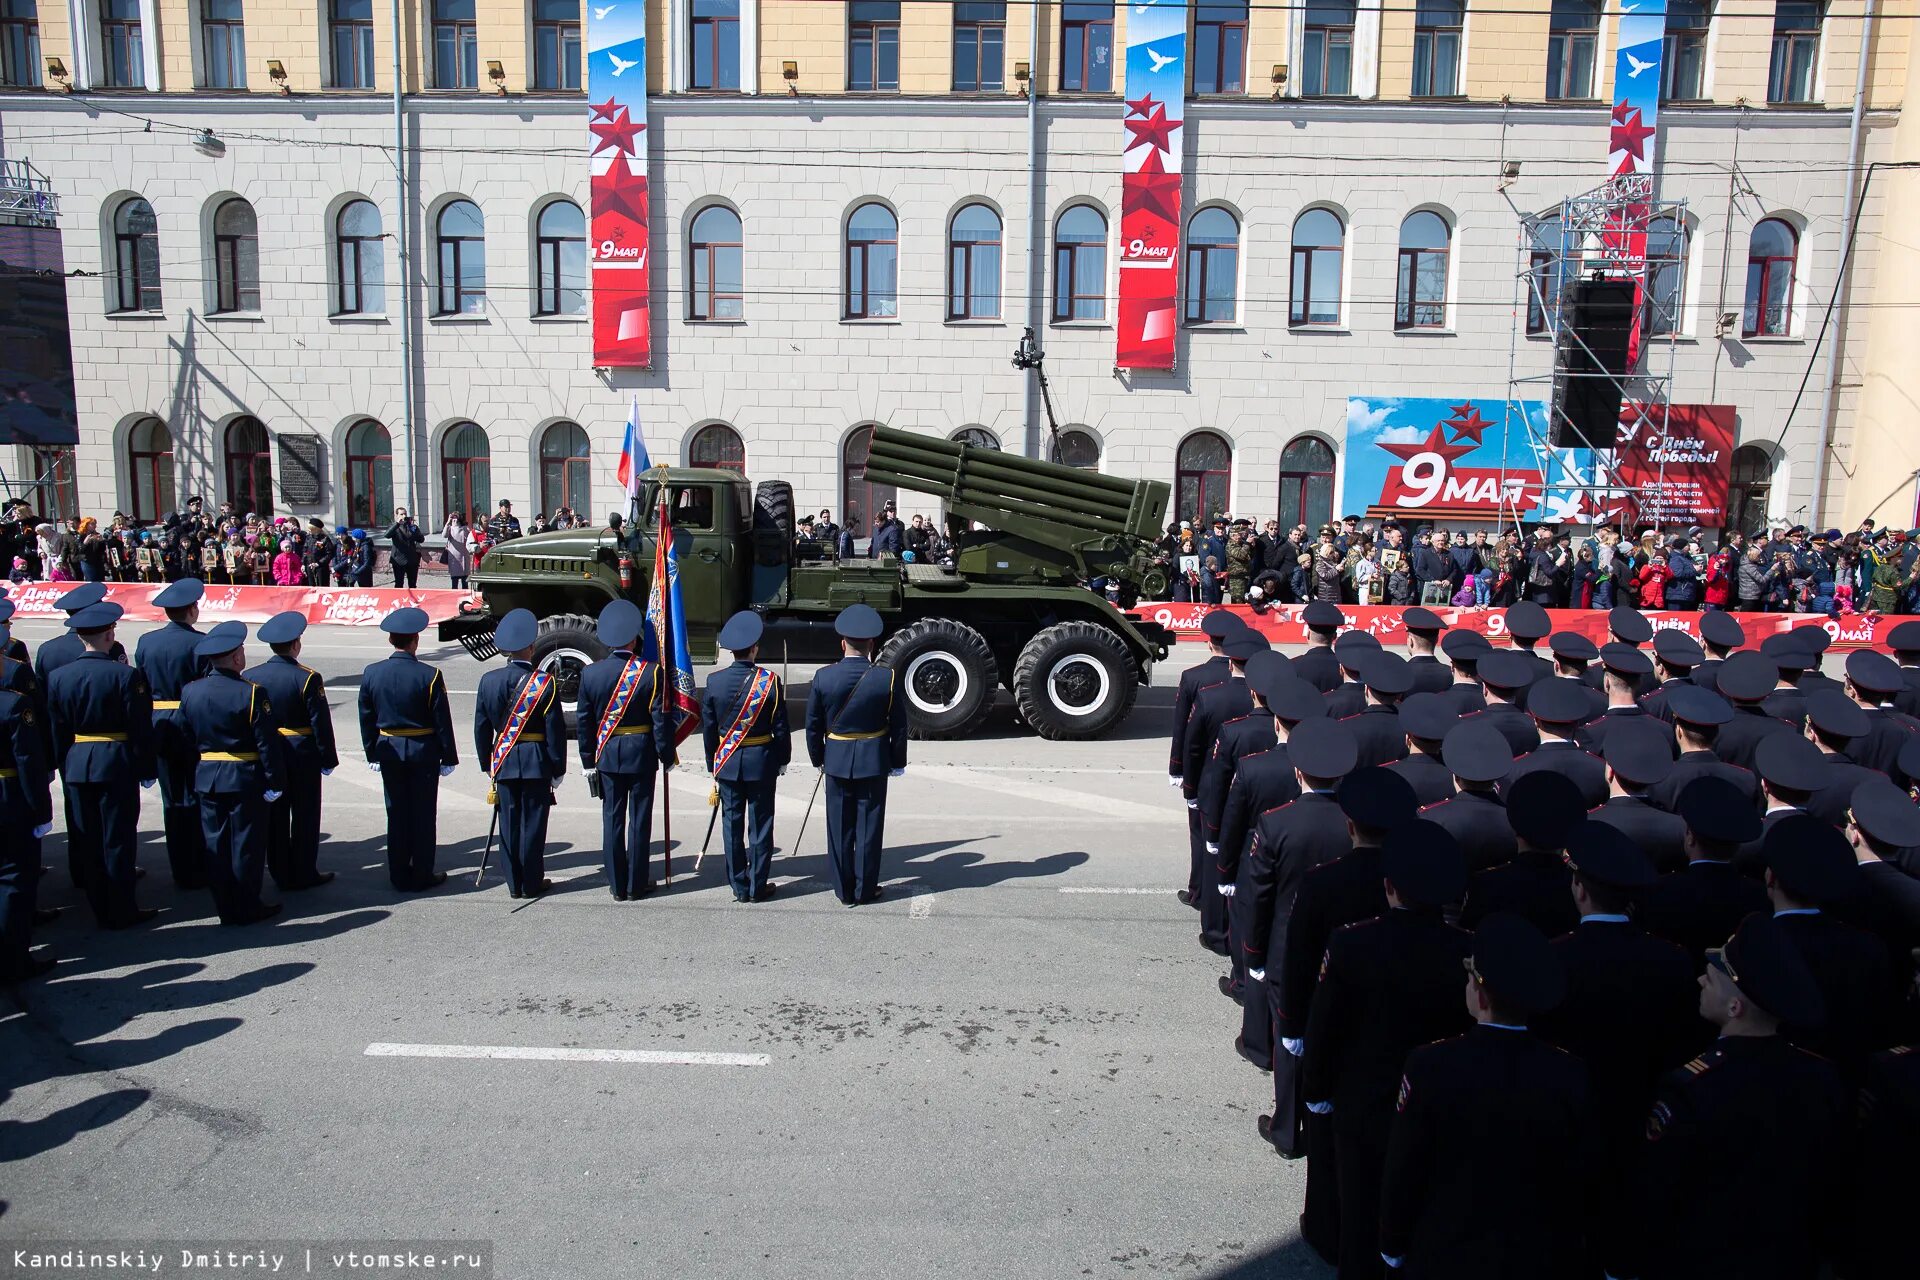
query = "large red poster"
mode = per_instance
[
  {"x": 617, "y": 241},
  {"x": 1156, "y": 68},
  {"x": 1676, "y": 464}
]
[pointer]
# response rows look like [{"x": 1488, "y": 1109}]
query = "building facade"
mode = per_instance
[{"x": 858, "y": 207}]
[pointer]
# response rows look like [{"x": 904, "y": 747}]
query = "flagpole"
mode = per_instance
[{"x": 671, "y": 664}]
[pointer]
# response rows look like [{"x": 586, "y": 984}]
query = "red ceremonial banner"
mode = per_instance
[
  {"x": 331, "y": 606},
  {"x": 1679, "y": 469}
]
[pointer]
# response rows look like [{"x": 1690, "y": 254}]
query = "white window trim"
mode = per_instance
[
  {"x": 680, "y": 46},
  {"x": 1366, "y": 50},
  {"x": 150, "y": 41}
]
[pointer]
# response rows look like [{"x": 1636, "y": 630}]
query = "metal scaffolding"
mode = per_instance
[{"x": 26, "y": 196}]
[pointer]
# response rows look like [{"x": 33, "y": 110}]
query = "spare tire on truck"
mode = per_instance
[
  {"x": 772, "y": 522},
  {"x": 566, "y": 644},
  {"x": 947, "y": 674},
  {"x": 1075, "y": 680}
]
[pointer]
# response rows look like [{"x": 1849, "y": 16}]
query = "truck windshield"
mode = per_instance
[{"x": 690, "y": 506}]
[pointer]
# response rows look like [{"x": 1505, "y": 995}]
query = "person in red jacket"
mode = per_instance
[
  {"x": 1652, "y": 581},
  {"x": 1719, "y": 579}
]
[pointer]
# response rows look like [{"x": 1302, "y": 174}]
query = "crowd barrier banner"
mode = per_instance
[
  {"x": 1281, "y": 624},
  {"x": 332, "y": 606}
]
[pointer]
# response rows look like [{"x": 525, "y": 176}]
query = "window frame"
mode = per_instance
[
  {"x": 1183, "y": 472},
  {"x": 1333, "y": 36},
  {"x": 1780, "y": 54},
  {"x": 979, "y": 28},
  {"x": 1300, "y": 291},
  {"x": 961, "y": 266},
  {"x": 1065, "y": 451},
  {"x": 1226, "y": 74},
  {"x": 231, "y": 294},
  {"x": 715, "y": 26},
  {"x": 1203, "y": 264},
  {"x": 250, "y": 472},
  {"x": 1066, "y": 269},
  {"x": 1754, "y": 301},
  {"x": 358, "y": 32},
  {"x": 1689, "y": 39},
  {"x": 575, "y": 470},
  {"x": 1564, "y": 41},
  {"x": 232, "y": 32},
  {"x": 129, "y": 244},
  {"x": 123, "y": 58},
  {"x": 880, "y": 35},
  {"x": 1428, "y": 36},
  {"x": 452, "y": 278},
  {"x": 550, "y": 266},
  {"x": 20, "y": 56},
  {"x": 1300, "y": 479},
  {"x": 731, "y": 457},
  {"x": 467, "y": 466},
  {"x": 855, "y": 489},
  {"x": 367, "y": 465},
  {"x": 156, "y": 466},
  {"x": 461, "y": 39},
  {"x": 355, "y": 249},
  {"x": 864, "y": 248},
  {"x": 704, "y": 257},
  {"x": 1082, "y": 29},
  {"x": 560, "y": 38},
  {"x": 1406, "y": 302},
  {"x": 1653, "y": 315}
]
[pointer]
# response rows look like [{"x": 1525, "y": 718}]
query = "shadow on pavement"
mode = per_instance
[{"x": 1292, "y": 1259}]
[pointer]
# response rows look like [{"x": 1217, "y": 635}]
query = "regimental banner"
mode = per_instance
[
  {"x": 618, "y": 245},
  {"x": 1633, "y": 142},
  {"x": 1441, "y": 460},
  {"x": 1676, "y": 462},
  {"x": 1156, "y": 72}
]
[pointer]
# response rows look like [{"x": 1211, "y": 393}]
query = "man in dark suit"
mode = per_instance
[
  {"x": 1425, "y": 719},
  {"x": 1430, "y": 675},
  {"x": 857, "y": 734},
  {"x": 298, "y": 695},
  {"x": 1217, "y": 626},
  {"x": 1318, "y": 666},
  {"x": 1544, "y": 809},
  {"x": 1833, "y": 721},
  {"x": 1353, "y": 651},
  {"x": 1697, "y": 716},
  {"x": 1505, "y": 674},
  {"x": 1559, "y": 706},
  {"x": 1573, "y": 658},
  {"x": 1675, "y": 655},
  {"x": 1745, "y": 680},
  {"x": 1464, "y": 649},
  {"x": 1527, "y": 625},
  {"x": 1625, "y": 668},
  {"x": 1637, "y": 759},
  {"x": 1794, "y": 657},
  {"x": 1874, "y": 682},
  {"x": 1701, "y": 904},
  {"x": 1720, "y": 635},
  {"x": 520, "y": 743},
  {"x": 1476, "y": 816},
  {"x": 748, "y": 744},
  {"x": 228, "y": 722},
  {"x": 1376, "y": 727},
  {"x": 1791, "y": 769},
  {"x": 406, "y": 730}
]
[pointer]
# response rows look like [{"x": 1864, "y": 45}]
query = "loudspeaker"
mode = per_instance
[{"x": 1595, "y": 335}]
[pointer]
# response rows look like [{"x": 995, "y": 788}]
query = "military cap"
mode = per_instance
[
  {"x": 1905, "y": 638},
  {"x": 1810, "y": 858},
  {"x": 1638, "y": 752},
  {"x": 1715, "y": 809},
  {"x": 6, "y": 608},
  {"x": 1747, "y": 677},
  {"x": 1218, "y": 624},
  {"x": 1542, "y": 807},
  {"x": 1558, "y": 700},
  {"x": 1378, "y": 798},
  {"x": 1625, "y": 660},
  {"x": 407, "y": 621},
  {"x": 1571, "y": 646},
  {"x": 1512, "y": 959},
  {"x": 1702, "y": 708},
  {"x": 1428, "y": 716},
  {"x": 1720, "y": 628},
  {"x": 619, "y": 622},
  {"x": 95, "y": 617},
  {"x": 1348, "y": 644},
  {"x": 1884, "y": 812},
  {"x": 1265, "y": 670},
  {"x": 1835, "y": 714},
  {"x": 1507, "y": 669},
  {"x": 1465, "y": 646},
  {"x": 1322, "y": 748},
  {"x": 1812, "y": 637},
  {"x": 1323, "y": 615},
  {"x": 859, "y": 622},
  {"x": 1677, "y": 649},
  {"x": 1241, "y": 645},
  {"x": 1477, "y": 752},
  {"x": 82, "y": 597},
  {"x": 1419, "y": 619},
  {"x": 1873, "y": 672},
  {"x": 1628, "y": 625},
  {"x": 516, "y": 631},
  {"x": 1764, "y": 962},
  {"x": 1294, "y": 700},
  {"x": 283, "y": 628},
  {"x": 744, "y": 629},
  {"x": 1790, "y": 761},
  {"x": 180, "y": 594},
  {"x": 1788, "y": 653},
  {"x": 1602, "y": 853},
  {"x": 224, "y": 638},
  {"x": 1798, "y": 528},
  {"x": 1527, "y": 621},
  {"x": 1424, "y": 862},
  {"x": 1386, "y": 674}
]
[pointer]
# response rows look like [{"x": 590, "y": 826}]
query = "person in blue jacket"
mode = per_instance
[
  {"x": 1683, "y": 576},
  {"x": 228, "y": 720},
  {"x": 743, "y": 714},
  {"x": 520, "y": 740},
  {"x": 166, "y": 657},
  {"x": 857, "y": 734},
  {"x": 406, "y": 730},
  {"x": 625, "y": 735}
]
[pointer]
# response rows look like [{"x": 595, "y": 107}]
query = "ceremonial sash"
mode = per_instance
[
  {"x": 536, "y": 685},
  {"x": 623, "y": 692},
  {"x": 759, "y": 689}
]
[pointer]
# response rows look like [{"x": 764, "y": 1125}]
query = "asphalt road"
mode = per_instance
[{"x": 1016, "y": 1065}]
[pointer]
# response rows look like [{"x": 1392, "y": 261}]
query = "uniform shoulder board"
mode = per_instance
[
  {"x": 1406, "y": 1091},
  {"x": 1435, "y": 805},
  {"x": 1277, "y": 808},
  {"x": 1264, "y": 751},
  {"x": 1704, "y": 1063},
  {"x": 1238, "y": 719},
  {"x": 1899, "y": 1049}
]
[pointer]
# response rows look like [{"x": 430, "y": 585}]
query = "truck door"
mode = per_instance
[{"x": 710, "y": 553}]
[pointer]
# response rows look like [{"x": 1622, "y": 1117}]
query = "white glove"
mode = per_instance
[
  {"x": 446, "y": 771},
  {"x": 270, "y": 796},
  {"x": 40, "y": 832},
  {"x": 896, "y": 773},
  {"x": 326, "y": 773},
  {"x": 1320, "y": 1108},
  {"x": 1258, "y": 975},
  {"x": 1395, "y": 1263},
  {"x": 783, "y": 771},
  {"x": 1173, "y": 779},
  {"x": 1193, "y": 804},
  {"x": 1213, "y": 848},
  {"x": 148, "y": 784},
  {"x": 1227, "y": 890},
  {"x": 1297, "y": 1048},
  {"x": 374, "y": 765}
]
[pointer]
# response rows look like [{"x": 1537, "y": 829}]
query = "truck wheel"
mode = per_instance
[
  {"x": 772, "y": 522},
  {"x": 565, "y": 645},
  {"x": 947, "y": 674},
  {"x": 1074, "y": 680}
]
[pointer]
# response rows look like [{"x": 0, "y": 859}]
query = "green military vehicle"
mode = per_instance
[{"x": 1018, "y": 608}]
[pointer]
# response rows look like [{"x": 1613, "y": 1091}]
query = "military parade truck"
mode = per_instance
[{"x": 1036, "y": 545}]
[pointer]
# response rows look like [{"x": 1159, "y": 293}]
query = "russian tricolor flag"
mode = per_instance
[{"x": 633, "y": 454}]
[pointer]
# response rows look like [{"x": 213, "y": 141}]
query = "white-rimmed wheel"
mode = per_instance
[
  {"x": 946, "y": 673},
  {"x": 1074, "y": 680},
  {"x": 566, "y": 644}
]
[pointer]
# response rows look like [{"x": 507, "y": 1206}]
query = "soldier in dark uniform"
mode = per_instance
[
  {"x": 1631, "y": 1012},
  {"x": 1748, "y": 1133},
  {"x": 1675, "y": 655},
  {"x": 103, "y": 740},
  {"x": 1573, "y": 655},
  {"x": 1386, "y": 986},
  {"x": 625, "y": 733},
  {"x": 1318, "y": 666},
  {"x": 1430, "y": 675},
  {"x": 1353, "y": 651},
  {"x": 26, "y": 815},
  {"x": 1833, "y": 721},
  {"x": 1559, "y": 706},
  {"x": 1629, "y": 629},
  {"x": 228, "y": 722},
  {"x": 1720, "y": 634},
  {"x": 1487, "y": 1165},
  {"x": 1791, "y": 769},
  {"x": 1880, "y": 821},
  {"x": 520, "y": 743},
  {"x": 1638, "y": 759},
  {"x": 298, "y": 695},
  {"x": 748, "y": 744},
  {"x": 1745, "y": 680},
  {"x": 406, "y": 729},
  {"x": 1242, "y": 736},
  {"x": 1697, "y": 717},
  {"x": 1544, "y": 810},
  {"x": 857, "y": 733},
  {"x": 1527, "y": 625},
  {"x": 1217, "y": 626},
  {"x": 166, "y": 657},
  {"x": 1791, "y": 654},
  {"x": 1425, "y": 719},
  {"x": 1505, "y": 675},
  {"x": 1376, "y": 728},
  {"x": 1904, "y": 640},
  {"x": 1287, "y": 843},
  {"x": 1706, "y": 900},
  {"x": 1886, "y": 1178},
  {"x": 16, "y": 676},
  {"x": 1625, "y": 668},
  {"x": 1213, "y": 705},
  {"x": 1873, "y": 681},
  {"x": 1464, "y": 649},
  {"x": 11, "y": 647},
  {"x": 59, "y": 651},
  {"x": 1475, "y": 816}
]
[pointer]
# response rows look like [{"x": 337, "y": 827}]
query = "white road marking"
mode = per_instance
[
  {"x": 1061, "y": 797},
  {"x": 1130, "y": 892},
  {"x": 536, "y": 1053},
  {"x": 921, "y": 905}
]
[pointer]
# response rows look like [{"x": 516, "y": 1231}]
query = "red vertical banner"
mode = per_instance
[
  {"x": 1156, "y": 70},
  {"x": 618, "y": 247}
]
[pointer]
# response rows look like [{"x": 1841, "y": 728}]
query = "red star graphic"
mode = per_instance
[
  {"x": 1630, "y": 136},
  {"x": 620, "y": 133},
  {"x": 1620, "y": 110},
  {"x": 621, "y": 190},
  {"x": 1157, "y": 193},
  {"x": 605, "y": 110},
  {"x": 1432, "y": 444},
  {"x": 1141, "y": 106},
  {"x": 1466, "y": 424},
  {"x": 1155, "y": 131}
]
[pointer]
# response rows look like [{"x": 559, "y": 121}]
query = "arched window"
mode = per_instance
[
  {"x": 249, "y": 467},
  {"x": 1080, "y": 265},
  {"x": 718, "y": 446},
  {"x": 150, "y": 470},
  {"x": 1421, "y": 295},
  {"x": 860, "y": 499},
  {"x": 560, "y": 254},
  {"x": 1770, "y": 259},
  {"x": 1327, "y": 49},
  {"x": 360, "y": 261},
  {"x": 236, "y": 258},
  {"x": 1666, "y": 277},
  {"x": 978, "y": 437},
  {"x": 716, "y": 275},
  {"x": 973, "y": 265},
  {"x": 1573, "y": 37},
  {"x": 1213, "y": 267},
  {"x": 1076, "y": 449},
  {"x": 461, "y": 234},
  {"x": 1319, "y": 241},
  {"x": 136, "y": 257},
  {"x": 873, "y": 263},
  {"x": 1202, "y": 477},
  {"x": 1306, "y": 483},
  {"x": 566, "y": 476},
  {"x": 369, "y": 475},
  {"x": 1749, "y": 490},
  {"x": 466, "y": 475}
]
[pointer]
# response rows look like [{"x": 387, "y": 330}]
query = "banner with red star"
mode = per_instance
[
  {"x": 1150, "y": 184},
  {"x": 1633, "y": 143},
  {"x": 619, "y": 240}
]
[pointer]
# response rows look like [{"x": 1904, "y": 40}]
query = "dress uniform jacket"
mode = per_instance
[
  {"x": 1749, "y": 1132},
  {"x": 26, "y": 778},
  {"x": 1886, "y": 1184},
  {"x": 102, "y": 716},
  {"x": 1213, "y": 707},
  {"x": 228, "y": 722},
  {"x": 1907, "y": 701},
  {"x": 1750, "y": 858},
  {"x": 1430, "y": 675},
  {"x": 1478, "y": 821},
  {"x": 1595, "y": 678},
  {"x": 1738, "y": 739},
  {"x": 1348, "y": 698},
  {"x": 1377, "y": 731},
  {"x": 166, "y": 658},
  {"x": 747, "y": 781},
  {"x": 18, "y": 677},
  {"x": 1700, "y": 906},
  {"x": 1789, "y": 704},
  {"x": 64, "y": 648},
  {"x": 1692, "y": 765},
  {"x": 857, "y": 733},
  {"x": 1429, "y": 777},
  {"x": 1536, "y": 885},
  {"x": 17, "y": 651},
  {"x": 1831, "y": 802},
  {"x": 1332, "y": 895},
  {"x": 524, "y": 782},
  {"x": 1879, "y": 748},
  {"x": 1192, "y": 681},
  {"x": 1264, "y": 780},
  {"x": 639, "y": 741},
  {"x": 1855, "y": 976},
  {"x": 1515, "y": 725},
  {"x": 406, "y": 727},
  {"x": 1593, "y": 735},
  {"x": 1657, "y": 703},
  {"x": 1238, "y": 738},
  {"x": 1579, "y": 766},
  {"x": 1488, "y": 1161},
  {"x": 1660, "y": 835},
  {"x": 1319, "y": 667},
  {"x": 1465, "y": 697},
  {"x": 298, "y": 696}
]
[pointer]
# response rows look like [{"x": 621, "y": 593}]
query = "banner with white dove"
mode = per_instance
[
  {"x": 618, "y": 240},
  {"x": 1156, "y": 85},
  {"x": 1633, "y": 144}
]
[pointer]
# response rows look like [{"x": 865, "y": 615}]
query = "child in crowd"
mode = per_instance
[
  {"x": 1483, "y": 587},
  {"x": 1467, "y": 594}
]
